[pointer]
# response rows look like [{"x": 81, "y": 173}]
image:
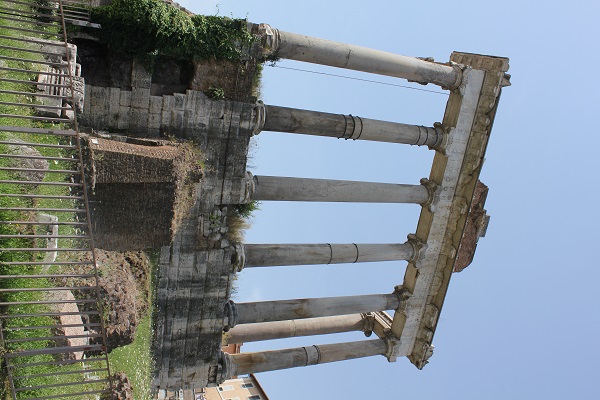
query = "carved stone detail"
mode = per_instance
[
  {"x": 418, "y": 248},
  {"x": 238, "y": 259},
  {"x": 231, "y": 315},
  {"x": 432, "y": 189},
  {"x": 392, "y": 348},
  {"x": 250, "y": 186},
  {"x": 259, "y": 118}
]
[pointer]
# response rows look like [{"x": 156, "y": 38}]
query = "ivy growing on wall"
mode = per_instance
[{"x": 149, "y": 28}]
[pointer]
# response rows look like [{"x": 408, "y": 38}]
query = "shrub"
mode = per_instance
[{"x": 150, "y": 28}]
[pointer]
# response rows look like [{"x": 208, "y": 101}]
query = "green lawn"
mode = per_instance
[{"x": 135, "y": 360}]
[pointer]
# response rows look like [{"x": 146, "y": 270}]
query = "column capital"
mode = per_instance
[
  {"x": 225, "y": 368},
  {"x": 249, "y": 188},
  {"x": 392, "y": 346},
  {"x": 239, "y": 257},
  {"x": 432, "y": 189},
  {"x": 403, "y": 295},
  {"x": 270, "y": 40},
  {"x": 369, "y": 319},
  {"x": 231, "y": 316},
  {"x": 442, "y": 138},
  {"x": 418, "y": 247},
  {"x": 259, "y": 117}
]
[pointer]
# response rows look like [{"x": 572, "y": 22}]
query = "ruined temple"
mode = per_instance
[{"x": 148, "y": 192}]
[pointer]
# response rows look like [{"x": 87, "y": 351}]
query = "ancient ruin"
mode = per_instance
[{"x": 199, "y": 257}]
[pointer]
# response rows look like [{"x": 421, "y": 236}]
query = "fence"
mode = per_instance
[{"x": 51, "y": 316}]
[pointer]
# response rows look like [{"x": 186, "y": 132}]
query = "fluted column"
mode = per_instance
[
  {"x": 248, "y": 363},
  {"x": 279, "y": 188},
  {"x": 263, "y": 255},
  {"x": 300, "y": 327},
  {"x": 293, "y": 120},
  {"x": 280, "y": 310},
  {"x": 280, "y": 44}
]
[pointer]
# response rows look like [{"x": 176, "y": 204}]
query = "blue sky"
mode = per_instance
[{"x": 522, "y": 321}]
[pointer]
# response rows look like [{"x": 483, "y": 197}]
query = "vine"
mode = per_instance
[{"x": 152, "y": 28}]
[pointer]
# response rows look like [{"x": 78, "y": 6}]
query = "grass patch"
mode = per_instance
[{"x": 135, "y": 360}]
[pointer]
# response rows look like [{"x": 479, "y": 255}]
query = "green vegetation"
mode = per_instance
[
  {"x": 135, "y": 360},
  {"x": 215, "y": 93},
  {"x": 246, "y": 210},
  {"x": 150, "y": 28}
]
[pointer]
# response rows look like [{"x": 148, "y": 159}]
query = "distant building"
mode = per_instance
[
  {"x": 243, "y": 388},
  {"x": 236, "y": 388}
]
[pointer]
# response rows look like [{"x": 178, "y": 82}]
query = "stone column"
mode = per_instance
[
  {"x": 293, "y": 120},
  {"x": 263, "y": 255},
  {"x": 280, "y": 44},
  {"x": 248, "y": 363},
  {"x": 300, "y": 327},
  {"x": 281, "y": 310},
  {"x": 303, "y": 189}
]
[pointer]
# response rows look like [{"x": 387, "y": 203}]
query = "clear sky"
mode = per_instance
[{"x": 522, "y": 321}]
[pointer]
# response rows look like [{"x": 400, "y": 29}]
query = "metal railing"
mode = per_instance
[{"x": 51, "y": 314}]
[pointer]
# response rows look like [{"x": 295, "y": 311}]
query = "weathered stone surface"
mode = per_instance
[
  {"x": 195, "y": 272},
  {"x": 125, "y": 98},
  {"x": 121, "y": 390},
  {"x": 25, "y": 163},
  {"x": 140, "y": 98},
  {"x": 477, "y": 222},
  {"x": 70, "y": 325}
]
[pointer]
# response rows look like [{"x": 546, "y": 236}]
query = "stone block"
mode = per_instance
[
  {"x": 49, "y": 112},
  {"x": 188, "y": 120},
  {"x": 125, "y": 98},
  {"x": 177, "y": 120},
  {"x": 138, "y": 120},
  {"x": 153, "y": 133},
  {"x": 189, "y": 100},
  {"x": 154, "y": 121},
  {"x": 140, "y": 78},
  {"x": 156, "y": 103},
  {"x": 86, "y": 98},
  {"x": 168, "y": 103},
  {"x": 113, "y": 107},
  {"x": 123, "y": 121},
  {"x": 140, "y": 98},
  {"x": 165, "y": 121},
  {"x": 98, "y": 95},
  {"x": 246, "y": 119},
  {"x": 179, "y": 101}
]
